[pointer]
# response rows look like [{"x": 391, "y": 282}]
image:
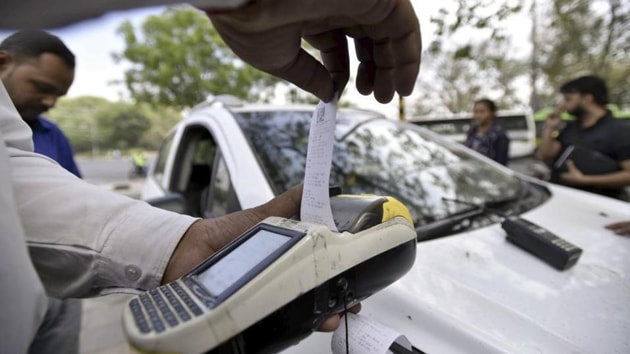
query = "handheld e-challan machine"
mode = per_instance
[{"x": 275, "y": 284}]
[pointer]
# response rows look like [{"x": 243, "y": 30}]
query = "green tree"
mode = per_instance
[
  {"x": 584, "y": 36},
  {"x": 470, "y": 57},
  {"x": 121, "y": 125},
  {"x": 96, "y": 124},
  {"x": 568, "y": 38},
  {"x": 79, "y": 120},
  {"x": 178, "y": 59},
  {"x": 162, "y": 119}
]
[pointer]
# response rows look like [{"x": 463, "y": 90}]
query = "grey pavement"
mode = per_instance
[{"x": 111, "y": 174}]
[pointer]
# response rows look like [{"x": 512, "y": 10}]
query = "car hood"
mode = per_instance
[{"x": 476, "y": 293}]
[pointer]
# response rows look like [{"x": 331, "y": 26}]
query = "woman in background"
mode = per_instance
[{"x": 486, "y": 136}]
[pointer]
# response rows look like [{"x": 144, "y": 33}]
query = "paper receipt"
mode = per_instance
[
  {"x": 366, "y": 336},
  {"x": 315, "y": 197}
]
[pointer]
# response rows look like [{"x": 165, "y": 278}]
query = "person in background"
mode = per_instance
[
  {"x": 486, "y": 136},
  {"x": 595, "y": 129},
  {"x": 139, "y": 163},
  {"x": 37, "y": 68}
]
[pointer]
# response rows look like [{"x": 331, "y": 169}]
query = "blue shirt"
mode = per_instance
[{"x": 49, "y": 140}]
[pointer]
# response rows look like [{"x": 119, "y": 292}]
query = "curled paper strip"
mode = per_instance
[{"x": 366, "y": 336}]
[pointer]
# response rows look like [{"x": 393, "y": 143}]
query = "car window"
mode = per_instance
[
  {"x": 160, "y": 162},
  {"x": 192, "y": 169},
  {"x": 379, "y": 156},
  {"x": 220, "y": 199}
]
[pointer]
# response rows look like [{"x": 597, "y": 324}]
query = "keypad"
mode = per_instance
[
  {"x": 151, "y": 310},
  {"x": 190, "y": 304},
  {"x": 156, "y": 322},
  {"x": 166, "y": 312},
  {"x": 139, "y": 317},
  {"x": 176, "y": 303}
]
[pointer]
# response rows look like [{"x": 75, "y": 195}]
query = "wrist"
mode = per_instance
[
  {"x": 191, "y": 250},
  {"x": 285, "y": 205}
]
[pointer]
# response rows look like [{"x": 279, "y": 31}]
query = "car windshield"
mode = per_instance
[{"x": 376, "y": 155}]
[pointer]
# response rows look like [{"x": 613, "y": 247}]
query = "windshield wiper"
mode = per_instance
[
  {"x": 460, "y": 220},
  {"x": 444, "y": 227}
]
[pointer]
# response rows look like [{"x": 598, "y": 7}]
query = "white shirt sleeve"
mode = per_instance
[
  {"x": 84, "y": 240},
  {"x": 22, "y": 297}
]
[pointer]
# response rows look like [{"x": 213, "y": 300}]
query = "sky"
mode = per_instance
[{"x": 93, "y": 42}]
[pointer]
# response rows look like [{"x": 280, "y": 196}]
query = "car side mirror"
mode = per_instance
[{"x": 174, "y": 202}]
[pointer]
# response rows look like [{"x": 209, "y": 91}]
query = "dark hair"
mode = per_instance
[
  {"x": 33, "y": 43},
  {"x": 488, "y": 103},
  {"x": 588, "y": 85}
]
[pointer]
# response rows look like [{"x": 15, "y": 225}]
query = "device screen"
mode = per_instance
[{"x": 229, "y": 269}]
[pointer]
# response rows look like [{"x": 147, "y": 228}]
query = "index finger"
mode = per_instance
[
  {"x": 402, "y": 28},
  {"x": 333, "y": 46}
]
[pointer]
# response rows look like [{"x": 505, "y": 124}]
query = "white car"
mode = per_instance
[
  {"x": 470, "y": 291},
  {"x": 519, "y": 125}
]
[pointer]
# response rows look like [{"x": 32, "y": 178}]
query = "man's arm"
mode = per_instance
[
  {"x": 84, "y": 239},
  {"x": 549, "y": 147},
  {"x": 618, "y": 179}
]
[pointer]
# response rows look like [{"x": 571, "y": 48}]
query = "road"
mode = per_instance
[
  {"x": 105, "y": 171},
  {"x": 112, "y": 174}
]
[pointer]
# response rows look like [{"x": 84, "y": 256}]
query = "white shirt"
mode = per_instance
[
  {"x": 83, "y": 240},
  {"x": 22, "y": 296}
]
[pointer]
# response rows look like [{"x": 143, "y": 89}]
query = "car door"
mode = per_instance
[
  {"x": 220, "y": 197},
  {"x": 200, "y": 174}
]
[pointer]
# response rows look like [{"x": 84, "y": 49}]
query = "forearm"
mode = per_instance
[
  {"x": 548, "y": 145},
  {"x": 610, "y": 180},
  {"x": 82, "y": 238}
]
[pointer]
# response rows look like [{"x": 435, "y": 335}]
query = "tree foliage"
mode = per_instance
[
  {"x": 470, "y": 58},
  {"x": 178, "y": 59},
  {"x": 585, "y": 36},
  {"x": 569, "y": 38},
  {"x": 96, "y": 124}
]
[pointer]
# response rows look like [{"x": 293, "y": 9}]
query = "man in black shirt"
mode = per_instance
[{"x": 595, "y": 130}]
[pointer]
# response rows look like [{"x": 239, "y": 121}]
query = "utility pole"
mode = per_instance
[{"x": 401, "y": 108}]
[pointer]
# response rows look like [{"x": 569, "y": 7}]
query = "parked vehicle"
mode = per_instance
[
  {"x": 520, "y": 128},
  {"x": 470, "y": 291}
]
